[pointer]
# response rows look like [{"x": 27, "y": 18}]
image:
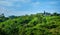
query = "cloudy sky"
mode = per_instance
[{"x": 22, "y": 7}]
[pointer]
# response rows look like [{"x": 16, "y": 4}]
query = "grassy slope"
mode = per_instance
[{"x": 50, "y": 25}]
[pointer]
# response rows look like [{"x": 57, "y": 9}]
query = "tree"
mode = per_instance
[{"x": 2, "y": 15}]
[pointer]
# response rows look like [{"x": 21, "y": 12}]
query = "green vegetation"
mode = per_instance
[{"x": 34, "y": 24}]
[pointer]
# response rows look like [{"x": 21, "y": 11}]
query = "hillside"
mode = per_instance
[{"x": 34, "y": 24}]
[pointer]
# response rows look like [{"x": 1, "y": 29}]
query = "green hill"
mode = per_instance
[{"x": 35, "y": 24}]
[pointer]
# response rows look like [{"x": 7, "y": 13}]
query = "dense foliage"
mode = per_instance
[{"x": 34, "y": 24}]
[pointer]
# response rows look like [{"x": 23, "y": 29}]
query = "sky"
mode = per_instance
[{"x": 23, "y": 7}]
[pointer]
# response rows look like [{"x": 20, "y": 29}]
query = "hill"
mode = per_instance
[{"x": 34, "y": 24}]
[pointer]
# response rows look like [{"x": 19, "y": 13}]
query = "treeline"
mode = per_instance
[{"x": 34, "y": 24}]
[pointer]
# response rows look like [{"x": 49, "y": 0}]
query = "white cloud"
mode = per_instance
[
  {"x": 35, "y": 4},
  {"x": 11, "y": 2},
  {"x": 53, "y": 2},
  {"x": 23, "y": 1},
  {"x": 3, "y": 10},
  {"x": 6, "y": 3}
]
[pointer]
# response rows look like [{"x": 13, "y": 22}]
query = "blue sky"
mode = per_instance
[{"x": 22, "y": 7}]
